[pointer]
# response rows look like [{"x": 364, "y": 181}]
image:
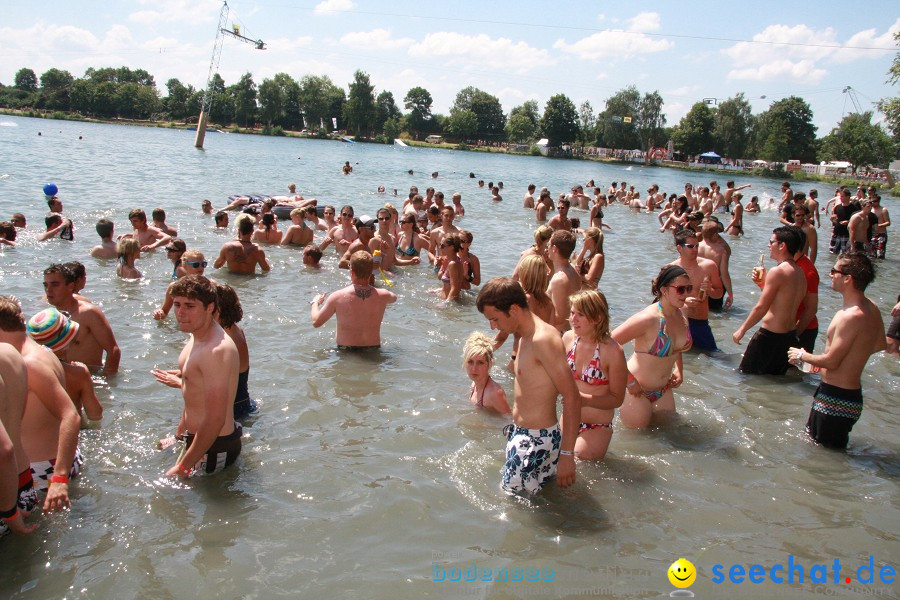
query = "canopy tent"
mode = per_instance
[{"x": 710, "y": 157}]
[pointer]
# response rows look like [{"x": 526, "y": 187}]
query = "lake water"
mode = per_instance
[{"x": 371, "y": 476}]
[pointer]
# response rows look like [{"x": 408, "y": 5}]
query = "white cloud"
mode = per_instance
[
  {"x": 643, "y": 22},
  {"x": 329, "y": 7},
  {"x": 868, "y": 38},
  {"x": 602, "y": 76},
  {"x": 685, "y": 90},
  {"x": 177, "y": 11},
  {"x": 803, "y": 71},
  {"x": 377, "y": 39},
  {"x": 613, "y": 43},
  {"x": 482, "y": 51}
]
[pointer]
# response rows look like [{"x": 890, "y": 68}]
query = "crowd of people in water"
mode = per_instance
[{"x": 563, "y": 343}]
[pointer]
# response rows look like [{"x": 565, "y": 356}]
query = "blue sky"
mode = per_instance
[{"x": 516, "y": 50}]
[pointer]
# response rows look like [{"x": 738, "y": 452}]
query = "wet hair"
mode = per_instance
[
  {"x": 454, "y": 239},
  {"x": 502, "y": 293},
  {"x": 860, "y": 267},
  {"x": 52, "y": 220},
  {"x": 533, "y": 277},
  {"x": 77, "y": 269},
  {"x": 466, "y": 236},
  {"x": 158, "y": 214},
  {"x": 221, "y": 216},
  {"x": 192, "y": 256},
  {"x": 788, "y": 235},
  {"x": 564, "y": 242},
  {"x": 104, "y": 228},
  {"x": 51, "y": 201},
  {"x": 314, "y": 252},
  {"x": 298, "y": 212},
  {"x": 228, "y": 306},
  {"x": 667, "y": 275},
  {"x": 63, "y": 270},
  {"x": 684, "y": 235},
  {"x": 434, "y": 210},
  {"x": 439, "y": 196},
  {"x": 542, "y": 234},
  {"x": 18, "y": 217},
  {"x": 11, "y": 317},
  {"x": 595, "y": 234},
  {"x": 593, "y": 305},
  {"x": 347, "y": 207},
  {"x": 361, "y": 264},
  {"x": 195, "y": 287},
  {"x": 244, "y": 224},
  {"x": 478, "y": 344},
  {"x": 7, "y": 231},
  {"x": 268, "y": 220},
  {"x": 137, "y": 212},
  {"x": 127, "y": 246},
  {"x": 565, "y": 202},
  {"x": 531, "y": 187}
]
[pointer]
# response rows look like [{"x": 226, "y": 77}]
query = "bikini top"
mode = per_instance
[
  {"x": 663, "y": 345},
  {"x": 480, "y": 403},
  {"x": 411, "y": 251},
  {"x": 593, "y": 373}
]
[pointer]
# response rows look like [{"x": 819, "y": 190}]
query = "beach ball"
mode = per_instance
[{"x": 50, "y": 189}]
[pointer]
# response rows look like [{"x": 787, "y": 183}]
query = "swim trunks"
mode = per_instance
[
  {"x": 833, "y": 414},
  {"x": 716, "y": 304},
  {"x": 582, "y": 427},
  {"x": 702, "y": 335},
  {"x": 243, "y": 404},
  {"x": 531, "y": 457},
  {"x": 42, "y": 470},
  {"x": 224, "y": 451},
  {"x": 358, "y": 348},
  {"x": 839, "y": 244},
  {"x": 808, "y": 339},
  {"x": 767, "y": 353},
  {"x": 27, "y": 494},
  {"x": 878, "y": 245}
]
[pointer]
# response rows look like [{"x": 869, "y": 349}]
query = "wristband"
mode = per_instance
[
  {"x": 59, "y": 479},
  {"x": 566, "y": 453},
  {"x": 185, "y": 472},
  {"x": 11, "y": 514}
]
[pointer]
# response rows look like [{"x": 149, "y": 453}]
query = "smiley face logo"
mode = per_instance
[{"x": 682, "y": 573}]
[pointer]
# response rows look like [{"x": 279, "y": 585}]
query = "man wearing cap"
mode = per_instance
[
  {"x": 242, "y": 255},
  {"x": 50, "y": 422},
  {"x": 343, "y": 234},
  {"x": 365, "y": 230},
  {"x": 359, "y": 307},
  {"x": 95, "y": 336}
]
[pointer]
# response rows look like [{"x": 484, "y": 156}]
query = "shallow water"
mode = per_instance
[{"x": 371, "y": 476}]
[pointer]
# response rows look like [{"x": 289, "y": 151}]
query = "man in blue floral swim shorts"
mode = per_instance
[{"x": 536, "y": 448}]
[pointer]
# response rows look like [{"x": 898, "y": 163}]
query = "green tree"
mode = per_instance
[
  {"x": 520, "y": 129},
  {"x": 359, "y": 110},
  {"x": 54, "y": 80},
  {"x": 614, "y": 127},
  {"x": 26, "y": 80},
  {"x": 418, "y": 102},
  {"x": 587, "y": 124},
  {"x": 385, "y": 108},
  {"x": 559, "y": 120},
  {"x": 463, "y": 124},
  {"x": 271, "y": 101},
  {"x": 694, "y": 133},
  {"x": 858, "y": 141},
  {"x": 392, "y": 128},
  {"x": 790, "y": 120},
  {"x": 177, "y": 100},
  {"x": 890, "y": 106},
  {"x": 529, "y": 110},
  {"x": 319, "y": 97},
  {"x": 82, "y": 97},
  {"x": 487, "y": 111},
  {"x": 649, "y": 121},
  {"x": 734, "y": 122},
  {"x": 244, "y": 94}
]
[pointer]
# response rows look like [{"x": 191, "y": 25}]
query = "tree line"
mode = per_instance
[{"x": 628, "y": 120}]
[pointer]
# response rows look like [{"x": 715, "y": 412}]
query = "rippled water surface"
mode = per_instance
[{"x": 371, "y": 476}]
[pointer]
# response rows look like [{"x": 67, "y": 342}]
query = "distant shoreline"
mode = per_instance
[{"x": 764, "y": 173}]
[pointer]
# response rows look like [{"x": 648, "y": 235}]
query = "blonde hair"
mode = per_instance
[
  {"x": 595, "y": 234},
  {"x": 533, "y": 276},
  {"x": 240, "y": 219},
  {"x": 592, "y": 304},
  {"x": 478, "y": 344},
  {"x": 542, "y": 234},
  {"x": 127, "y": 246},
  {"x": 192, "y": 255}
]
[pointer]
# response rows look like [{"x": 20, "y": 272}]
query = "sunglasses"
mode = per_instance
[
  {"x": 384, "y": 218},
  {"x": 171, "y": 249},
  {"x": 682, "y": 289},
  {"x": 836, "y": 272},
  {"x": 197, "y": 263},
  {"x": 689, "y": 245},
  {"x": 346, "y": 215}
]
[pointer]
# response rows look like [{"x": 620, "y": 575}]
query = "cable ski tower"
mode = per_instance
[{"x": 221, "y": 32}]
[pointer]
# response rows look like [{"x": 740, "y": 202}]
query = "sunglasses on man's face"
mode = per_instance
[{"x": 196, "y": 263}]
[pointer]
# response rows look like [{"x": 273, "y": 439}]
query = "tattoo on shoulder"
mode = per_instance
[{"x": 363, "y": 293}]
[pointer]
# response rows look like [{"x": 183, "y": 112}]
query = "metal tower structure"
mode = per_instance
[
  {"x": 851, "y": 93},
  {"x": 221, "y": 32}
]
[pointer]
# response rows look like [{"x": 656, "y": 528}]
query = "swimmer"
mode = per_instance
[
  {"x": 565, "y": 280},
  {"x": 193, "y": 263},
  {"x": 478, "y": 358},
  {"x": 107, "y": 247},
  {"x": 242, "y": 255},
  {"x": 148, "y": 237},
  {"x": 17, "y": 497},
  {"x": 591, "y": 261},
  {"x": 159, "y": 221},
  {"x": 298, "y": 234},
  {"x": 127, "y": 251}
]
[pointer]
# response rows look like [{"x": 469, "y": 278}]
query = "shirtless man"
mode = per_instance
[
  {"x": 578, "y": 198},
  {"x": 438, "y": 233},
  {"x": 365, "y": 230},
  {"x": 17, "y": 496},
  {"x": 713, "y": 247},
  {"x": 879, "y": 231},
  {"x": 148, "y": 237},
  {"x": 858, "y": 228},
  {"x": 359, "y": 307},
  {"x": 544, "y": 205},
  {"x": 856, "y": 332},
  {"x": 49, "y": 427},
  {"x": 241, "y": 254},
  {"x": 729, "y": 193},
  {"x": 536, "y": 449},
  {"x": 458, "y": 208},
  {"x": 778, "y": 304},
  {"x": 208, "y": 377},
  {"x": 495, "y": 194},
  {"x": 95, "y": 336},
  {"x": 565, "y": 280},
  {"x": 811, "y": 236},
  {"x": 812, "y": 205},
  {"x": 221, "y": 220},
  {"x": 57, "y": 226},
  {"x": 159, "y": 221},
  {"x": 298, "y": 234},
  {"x": 561, "y": 219},
  {"x": 528, "y": 200},
  {"x": 704, "y": 275},
  {"x": 387, "y": 245},
  {"x": 414, "y": 206},
  {"x": 107, "y": 247},
  {"x": 343, "y": 234}
]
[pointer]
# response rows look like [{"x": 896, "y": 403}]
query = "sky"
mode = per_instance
[{"x": 688, "y": 51}]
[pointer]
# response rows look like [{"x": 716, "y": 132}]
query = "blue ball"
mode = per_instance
[{"x": 50, "y": 189}]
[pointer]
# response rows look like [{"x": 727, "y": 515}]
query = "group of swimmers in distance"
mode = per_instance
[{"x": 563, "y": 341}]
